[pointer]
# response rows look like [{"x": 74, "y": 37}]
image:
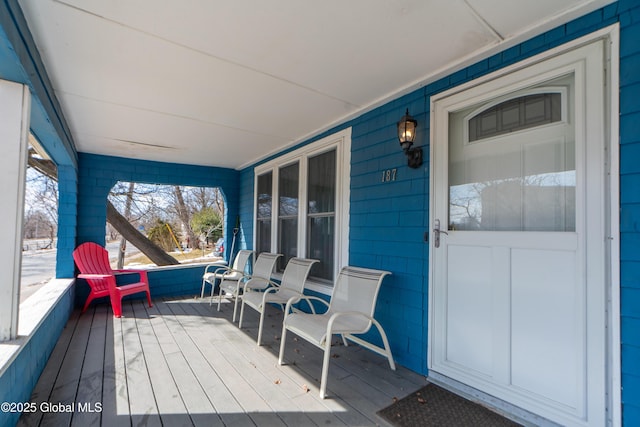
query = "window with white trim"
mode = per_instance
[{"x": 301, "y": 201}]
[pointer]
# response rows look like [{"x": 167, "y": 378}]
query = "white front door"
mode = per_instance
[{"x": 517, "y": 284}]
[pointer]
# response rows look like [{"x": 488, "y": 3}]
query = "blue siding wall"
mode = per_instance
[
  {"x": 18, "y": 381},
  {"x": 246, "y": 209},
  {"x": 67, "y": 220},
  {"x": 630, "y": 208},
  {"x": 97, "y": 175},
  {"x": 388, "y": 219}
]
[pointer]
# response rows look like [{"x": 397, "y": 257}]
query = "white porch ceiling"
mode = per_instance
[{"x": 226, "y": 83}]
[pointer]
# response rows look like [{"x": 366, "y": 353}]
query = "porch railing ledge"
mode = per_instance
[
  {"x": 177, "y": 266},
  {"x": 32, "y": 313}
]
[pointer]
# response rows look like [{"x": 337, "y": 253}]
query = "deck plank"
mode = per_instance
[
  {"x": 193, "y": 373},
  {"x": 142, "y": 403},
  {"x": 220, "y": 382},
  {"x": 290, "y": 384},
  {"x": 44, "y": 387},
  {"x": 115, "y": 396},
  {"x": 324, "y": 410},
  {"x": 66, "y": 384},
  {"x": 171, "y": 407},
  {"x": 184, "y": 363},
  {"x": 263, "y": 382},
  {"x": 89, "y": 388}
]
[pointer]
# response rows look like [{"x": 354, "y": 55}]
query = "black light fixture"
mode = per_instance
[{"x": 406, "y": 134}]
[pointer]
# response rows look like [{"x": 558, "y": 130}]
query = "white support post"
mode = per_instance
[{"x": 14, "y": 131}]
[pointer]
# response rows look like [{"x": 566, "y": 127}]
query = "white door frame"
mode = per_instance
[{"x": 610, "y": 35}]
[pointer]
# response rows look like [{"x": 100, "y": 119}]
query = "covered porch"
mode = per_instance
[
  {"x": 251, "y": 99},
  {"x": 184, "y": 363}
]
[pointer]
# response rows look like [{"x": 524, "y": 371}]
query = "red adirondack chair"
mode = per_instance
[{"x": 93, "y": 262}]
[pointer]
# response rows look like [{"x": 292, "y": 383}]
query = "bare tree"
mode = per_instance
[
  {"x": 127, "y": 214},
  {"x": 184, "y": 213},
  {"x": 140, "y": 241},
  {"x": 41, "y": 220}
]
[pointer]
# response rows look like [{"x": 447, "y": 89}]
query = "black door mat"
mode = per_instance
[{"x": 434, "y": 406}]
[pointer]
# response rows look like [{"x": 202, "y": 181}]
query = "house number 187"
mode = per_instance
[{"x": 389, "y": 175}]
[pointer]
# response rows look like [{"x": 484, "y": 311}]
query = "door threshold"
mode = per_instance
[{"x": 499, "y": 406}]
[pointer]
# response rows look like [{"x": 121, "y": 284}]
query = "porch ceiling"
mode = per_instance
[{"x": 226, "y": 83}]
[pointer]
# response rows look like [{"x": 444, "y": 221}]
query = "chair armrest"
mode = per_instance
[
  {"x": 274, "y": 289},
  {"x": 270, "y": 284},
  {"x": 142, "y": 273},
  {"x": 297, "y": 299},
  {"x": 227, "y": 271},
  {"x": 217, "y": 267},
  {"x": 94, "y": 276}
]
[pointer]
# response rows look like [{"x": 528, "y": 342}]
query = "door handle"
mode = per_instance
[{"x": 437, "y": 232}]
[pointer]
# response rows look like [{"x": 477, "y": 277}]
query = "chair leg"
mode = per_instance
[
  {"x": 387, "y": 348},
  {"x": 149, "y": 298},
  {"x": 260, "y": 326},
  {"x": 116, "y": 305},
  {"x": 235, "y": 307},
  {"x": 213, "y": 287},
  {"x": 86, "y": 304},
  {"x": 202, "y": 290},
  {"x": 282, "y": 338},
  {"x": 325, "y": 367},
  {"x": 241, "y": 314}
]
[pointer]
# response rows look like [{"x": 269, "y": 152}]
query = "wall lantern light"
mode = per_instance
[{"x": 406, "y": 134}]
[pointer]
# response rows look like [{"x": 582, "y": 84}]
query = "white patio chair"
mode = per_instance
[
  {"x": 292, "y": 285},
  {"x": 230, "y": 278},
  {"x": 350, "y": 312},
  {"x": 260, "y": 277}
]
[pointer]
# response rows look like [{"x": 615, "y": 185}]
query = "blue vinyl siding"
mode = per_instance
[
  {"x": 387, "y": 224},
  {"x": 245, "y": 236},
  {"x": 67, "y": 220},
  {"x": 19, "y": 379},
  {"x": 629, "y": 15}
]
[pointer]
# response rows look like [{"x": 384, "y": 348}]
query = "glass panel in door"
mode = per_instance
[{"x": 510, "y": 170}]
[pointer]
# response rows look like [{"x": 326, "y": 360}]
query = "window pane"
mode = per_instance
[
  {"x": 321, "y": 240},
  {"x": 321, "y": 204},
  {"x": 288, "y": 213},
  {"x": 263, "y": 236},
  {"x": 264, "y": 195},
  {"x": 288, "y": 241},
  {"x": 519, "y": 182},
  {"x": 322, "y": 182},
  {"x": 263, "y": 233},
  {"x": 516, "y": 114},
  {"x": 288, "y": 190}
]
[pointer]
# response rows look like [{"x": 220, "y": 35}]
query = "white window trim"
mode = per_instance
[{"x": 341, "y": 141}]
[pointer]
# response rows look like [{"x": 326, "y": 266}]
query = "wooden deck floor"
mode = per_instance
[{"x": 182, "y": 363}]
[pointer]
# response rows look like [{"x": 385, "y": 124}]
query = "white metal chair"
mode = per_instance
[
  {"x": 230, "y": 278},
  {"x": 260, "y": 277},
  {"x": 350, "y": 312},
  {"x": 292, "y": 285}
]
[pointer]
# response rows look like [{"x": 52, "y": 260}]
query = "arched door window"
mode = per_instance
[{"x": 543, "y": 107}]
